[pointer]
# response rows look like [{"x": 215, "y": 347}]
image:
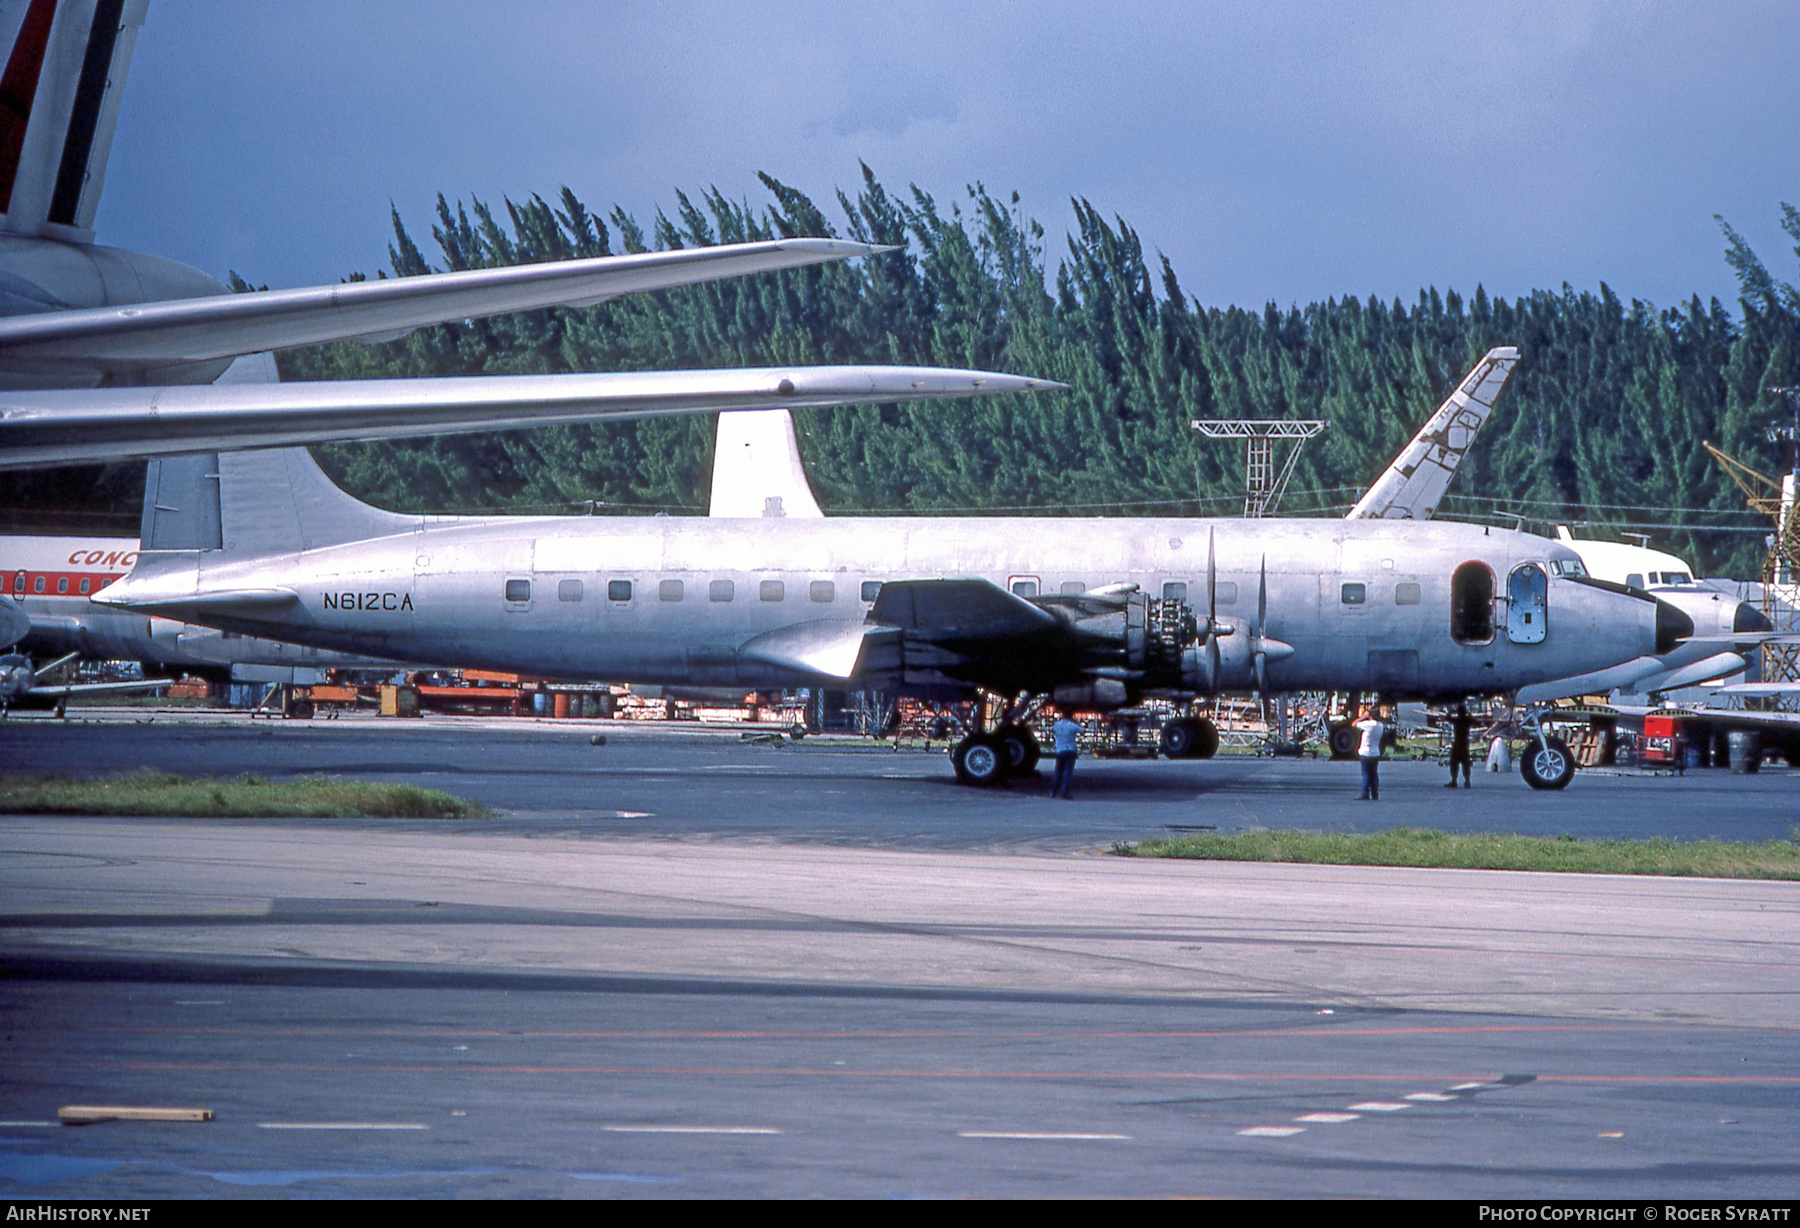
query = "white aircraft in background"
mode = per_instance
[{"x": 1413, "y": 486}]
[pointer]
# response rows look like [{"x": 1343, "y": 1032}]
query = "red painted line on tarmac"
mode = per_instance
[{"x": 843, "y": 1072}]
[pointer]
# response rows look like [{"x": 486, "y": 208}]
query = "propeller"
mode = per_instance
[
  {"x": 1212, "y": 612},
  {"x": 1263, "y": 648},
  {"x": 1256, "y": 632}
]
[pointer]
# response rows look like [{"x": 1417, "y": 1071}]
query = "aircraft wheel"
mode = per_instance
[
  {"x": 1550, "y": 766},
  {"x": 979, "y": 760},
  {"x": 1344, "y": 741},
  {"x": 1206, "y": 739},
  {"x": 1177, "y": 739},
  {"x": 300, "y": 710},
  {"x": 1021, "y": 748}
]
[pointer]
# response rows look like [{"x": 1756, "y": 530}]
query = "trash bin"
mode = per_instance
[{"x": 1746, "y": 751}]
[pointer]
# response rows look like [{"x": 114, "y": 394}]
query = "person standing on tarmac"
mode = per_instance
[
  {"x": 1459, "y": 745},
  {"x": 1368, "y": 754},
  {"x": 1065, "y": 731}
]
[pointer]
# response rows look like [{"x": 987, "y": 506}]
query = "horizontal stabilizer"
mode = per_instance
[
  {"x": 828, "y": 647},
  {"x": 1412, "y": 487},
  {"x": 179, "y": 604},
  {"x": 126, "y": 341},
  {"x": 953, "y": 610},
  {"x": 65, "y": 426}
]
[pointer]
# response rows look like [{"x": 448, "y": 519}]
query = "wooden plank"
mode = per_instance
[{"x": 82, "y": 1114}]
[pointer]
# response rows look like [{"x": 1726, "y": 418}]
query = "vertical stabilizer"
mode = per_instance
[
  {"x": 64, "y": 74},
  {"x": 1412, "y": 487},
  {"x": 236, "y": 505},
  {"x": 756, "y": 467}
]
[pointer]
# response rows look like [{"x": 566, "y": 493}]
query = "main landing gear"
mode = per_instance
[
  {"x": 1190, "y": 737},
  {"x": 990, "y": 758}
]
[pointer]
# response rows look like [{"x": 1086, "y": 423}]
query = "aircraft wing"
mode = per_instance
[
  {"x": 950, "y": 611},
  {"x": 69, "y": 426},
  {"x": 1412, "y": 487},
  {"x": 175, "y": 332}
]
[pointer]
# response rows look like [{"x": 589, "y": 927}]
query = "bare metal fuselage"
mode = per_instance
[{"x": 674, "y": 600}]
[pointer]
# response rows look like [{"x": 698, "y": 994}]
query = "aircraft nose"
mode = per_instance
[
  {"x": 1672, "y": 626},
  {"x": 1749, "y": 618}
]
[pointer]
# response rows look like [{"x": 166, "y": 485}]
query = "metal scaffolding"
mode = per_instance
[
  {"x": 1774, "y": 497},
  {"x": 1263, "y": 487}
]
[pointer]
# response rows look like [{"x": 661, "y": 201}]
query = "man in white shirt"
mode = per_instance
[
  {"x": 1065, "y": 731},
  {"x": 1368, "y": 754}
]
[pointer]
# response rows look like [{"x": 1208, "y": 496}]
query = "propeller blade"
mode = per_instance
[
  {"x": 1212, "y": 583},
  {"x": 1262, "y": 597},
  {"x": 1262, "y": 675}
]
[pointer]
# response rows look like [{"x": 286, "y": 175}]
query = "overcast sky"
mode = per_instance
[{"x": 1273, "y": 151}]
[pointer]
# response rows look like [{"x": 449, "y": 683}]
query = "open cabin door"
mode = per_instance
[{"x": 1527, "y": 594}]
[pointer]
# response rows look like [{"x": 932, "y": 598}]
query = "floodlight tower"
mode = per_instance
[{"x": 1263, "y": 487}]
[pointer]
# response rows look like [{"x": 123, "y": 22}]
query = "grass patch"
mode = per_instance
[
  {"x": 1426, "y": 847},
  {"x": 158, "y": 794}
]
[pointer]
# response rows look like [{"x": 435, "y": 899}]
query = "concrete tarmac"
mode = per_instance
[
  {"x": 688, "y": 782},
  {"x": 823, "y": 971}
]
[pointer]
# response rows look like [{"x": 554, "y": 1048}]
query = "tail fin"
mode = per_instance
[
  {"x": 238, "y": 505},
  {"x": 757, "y": 469},
  {"x": 1412, "y": 487},
  {"x": 66, "y": 62}
]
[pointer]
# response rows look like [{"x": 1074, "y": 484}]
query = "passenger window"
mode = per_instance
[
  {"x": 568, "y": 590},
  {"x": 62, "y": 584},
  {"x": 772, "y": 590},
  {"x": 1406, "y": 594},
  {"x": 871, "y": 589},
  {"x": 37, "y": 585},
  {"x": 618, "y": 590},
  {"x": 669, "y": 590},
  {"x": 824, "y": 591},
  {"x": 1354, "y": 594},
  {"x": 1227, "y": 592},
  {"x": 1024, "y": 586},
  {"x": 1175, "y": 590},
  {"x": 1472, "y": 604},
  {"x": 720, "y": 590},
  {"x": 1071, "y": 587},
  {"x": 86, "y": 584},
  {"x": 518, "y": 591},
  {"x": 19, "y": 582}
]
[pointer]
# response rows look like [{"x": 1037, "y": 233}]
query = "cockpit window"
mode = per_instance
[{"x": 1567, "y": 567}]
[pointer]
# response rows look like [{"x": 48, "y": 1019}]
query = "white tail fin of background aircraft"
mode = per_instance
[
  {"x": 65, "y": 68},
  {"x": 757, "y": 469},
  {"x": 1412, "y": 487}
]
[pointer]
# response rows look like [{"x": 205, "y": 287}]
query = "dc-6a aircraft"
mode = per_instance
[
  {"x": 107, "y": 354},
  {"x": 1093, "y": 612}
]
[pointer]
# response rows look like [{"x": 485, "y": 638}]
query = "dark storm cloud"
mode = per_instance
[{"x": 1284, "y": 152}]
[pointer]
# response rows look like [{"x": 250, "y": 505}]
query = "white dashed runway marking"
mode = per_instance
[{"x": 1039, "y": 1134}]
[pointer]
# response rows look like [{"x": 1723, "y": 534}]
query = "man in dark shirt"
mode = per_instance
[{"x": 1459, "y": 745}]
